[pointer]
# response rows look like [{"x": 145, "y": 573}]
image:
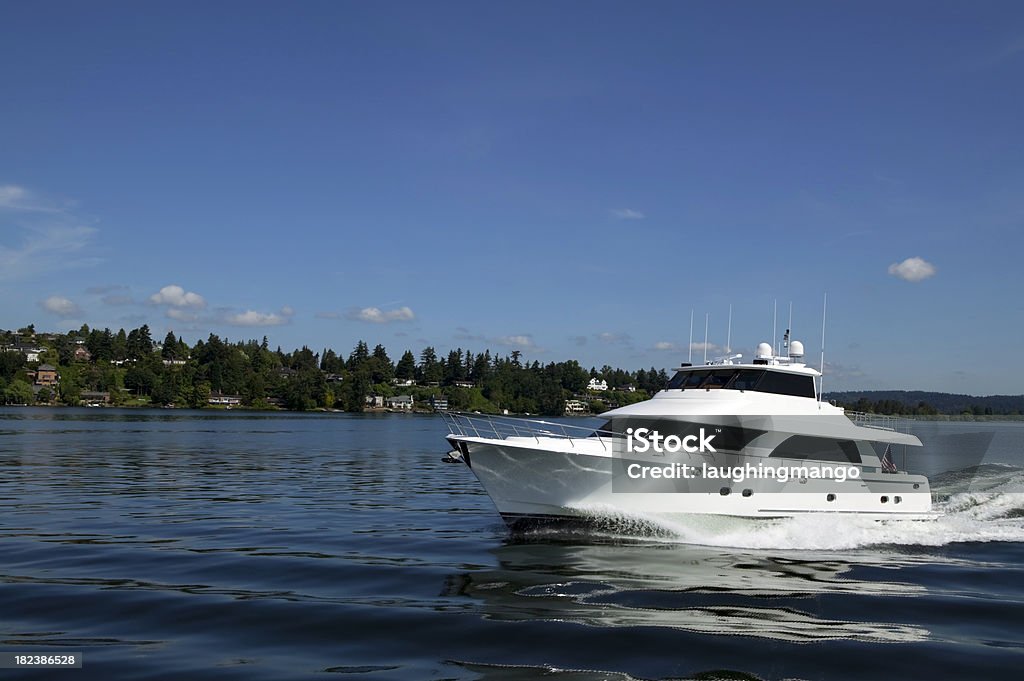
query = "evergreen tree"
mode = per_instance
[
  {"x": 170, "y": 349},
  {"x": 406, "y": 368},
  {"x": 358, "y": 357},
  {"x": 430, "y": 369},
  {"x": 119, "y": 347},
  {"x": 382, "y": 370},
  {"x": 140, "y": 344}
]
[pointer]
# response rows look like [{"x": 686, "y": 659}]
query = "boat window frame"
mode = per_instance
[
  {"x": 724, "y": 385},
  {"x": 800, "y": 385},
  {"x": 760, "y": 374}
]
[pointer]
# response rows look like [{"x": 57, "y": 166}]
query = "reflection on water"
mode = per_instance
[{"x": 689, "y": 588}]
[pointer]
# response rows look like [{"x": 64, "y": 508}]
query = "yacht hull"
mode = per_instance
[{"x": 532, "y": 481}]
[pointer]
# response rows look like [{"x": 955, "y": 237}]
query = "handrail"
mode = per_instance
[
  {"x": 503, "y": 427},
  {"x": 878, "y": 421}
]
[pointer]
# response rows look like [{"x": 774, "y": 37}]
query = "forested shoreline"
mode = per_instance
[{"x": 130, "y": 368}]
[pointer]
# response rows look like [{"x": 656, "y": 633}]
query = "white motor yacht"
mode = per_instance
[{"x": 724, "y": 438}]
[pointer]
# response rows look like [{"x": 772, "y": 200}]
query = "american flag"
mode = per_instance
[{"x": 888, "y": 465}]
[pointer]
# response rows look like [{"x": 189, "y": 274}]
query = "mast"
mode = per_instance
[
  {"x": 775, "y": 318},
  {"x": 706, "y": 316},
  {"x": 789, "y": 329},
  {"x": 689, "y": 356},
  {"x": 821, "y": 379},
  {"x": 728, "y": 335}
]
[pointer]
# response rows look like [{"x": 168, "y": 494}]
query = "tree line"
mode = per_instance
[
  {"x": 920, "y": 403},
  {"x": 134, "y": 369}
]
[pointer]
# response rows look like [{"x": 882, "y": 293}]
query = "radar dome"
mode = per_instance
[
  {"x": 796, "y": 349},
  {"x": 764, "y": 351}
]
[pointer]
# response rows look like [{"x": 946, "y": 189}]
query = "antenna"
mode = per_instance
[
  {"x": 775, "y": 317},
  {"x": 706, "y": 316},
  {"x": 728, "y": 336},
  {"x": 689, "y": 357},
  {"x": 790, "y": 328},
  {"x": 821, "y": 379}
]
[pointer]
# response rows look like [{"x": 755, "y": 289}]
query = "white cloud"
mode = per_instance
[
  {"x": 711, "y": 347},
  {"x": 40, "y": 236},
  {"x": 614, "y": 338},
  {"x": 182, "y": 314},
  {"x": 176, "y": 296},
  {"x": 51, "y": 246},
  {"x": 519, "y": 341},
  {"x": 627, "y": 214},
  {"x": 378, "y": 316},
  {"x": 20, "y": 199},
  {"x": 254, "y": 318},
  {"x": 60, "y": 306},
  {"x": 522, "y": 341},
  {"x": 665, "y": 346},
  {"x": 912, "y": 269},
  {"x": 12, "y": 196}
]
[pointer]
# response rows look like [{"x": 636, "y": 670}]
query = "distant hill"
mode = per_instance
[{"x": 922, "y": 402}]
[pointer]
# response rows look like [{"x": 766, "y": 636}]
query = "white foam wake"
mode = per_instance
[{"x": 992, "y": 511}]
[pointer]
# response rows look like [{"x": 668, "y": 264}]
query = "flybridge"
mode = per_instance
[
  {"x": 787, "y": 375},
  {"x": 791, "y": 360}
]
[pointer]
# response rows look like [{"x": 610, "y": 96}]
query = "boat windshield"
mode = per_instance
[{"x": 758, "y": 380}]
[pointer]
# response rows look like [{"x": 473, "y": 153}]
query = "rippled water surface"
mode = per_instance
[{"x": 233, "y": 545}]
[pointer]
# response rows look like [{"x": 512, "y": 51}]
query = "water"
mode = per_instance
[{"x": 232, "y": 545}]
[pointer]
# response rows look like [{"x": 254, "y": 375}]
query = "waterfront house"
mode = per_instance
[
  {"x": 46, "y": 374},
  {"x": 403, "y": 402}
]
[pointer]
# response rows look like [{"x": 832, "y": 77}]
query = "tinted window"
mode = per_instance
[
  {"x": 718, "y": 379},
  {"x": 677, "y": 380},
  {"x": 759, "y": 380},
  {"x": 695, "y": 379},
  {"x": 818, "y": 448},
  {"x": 786, "y": 384},
  {"x": 746, "y": 379}
]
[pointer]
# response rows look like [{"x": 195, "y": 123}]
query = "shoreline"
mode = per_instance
[{"x": 958, "y": 418}]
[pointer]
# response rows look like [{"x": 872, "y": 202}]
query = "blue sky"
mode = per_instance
[{"x": 568, "y": 179}]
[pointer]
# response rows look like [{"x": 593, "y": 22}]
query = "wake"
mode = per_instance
[{"x": 978, "y": 504}]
